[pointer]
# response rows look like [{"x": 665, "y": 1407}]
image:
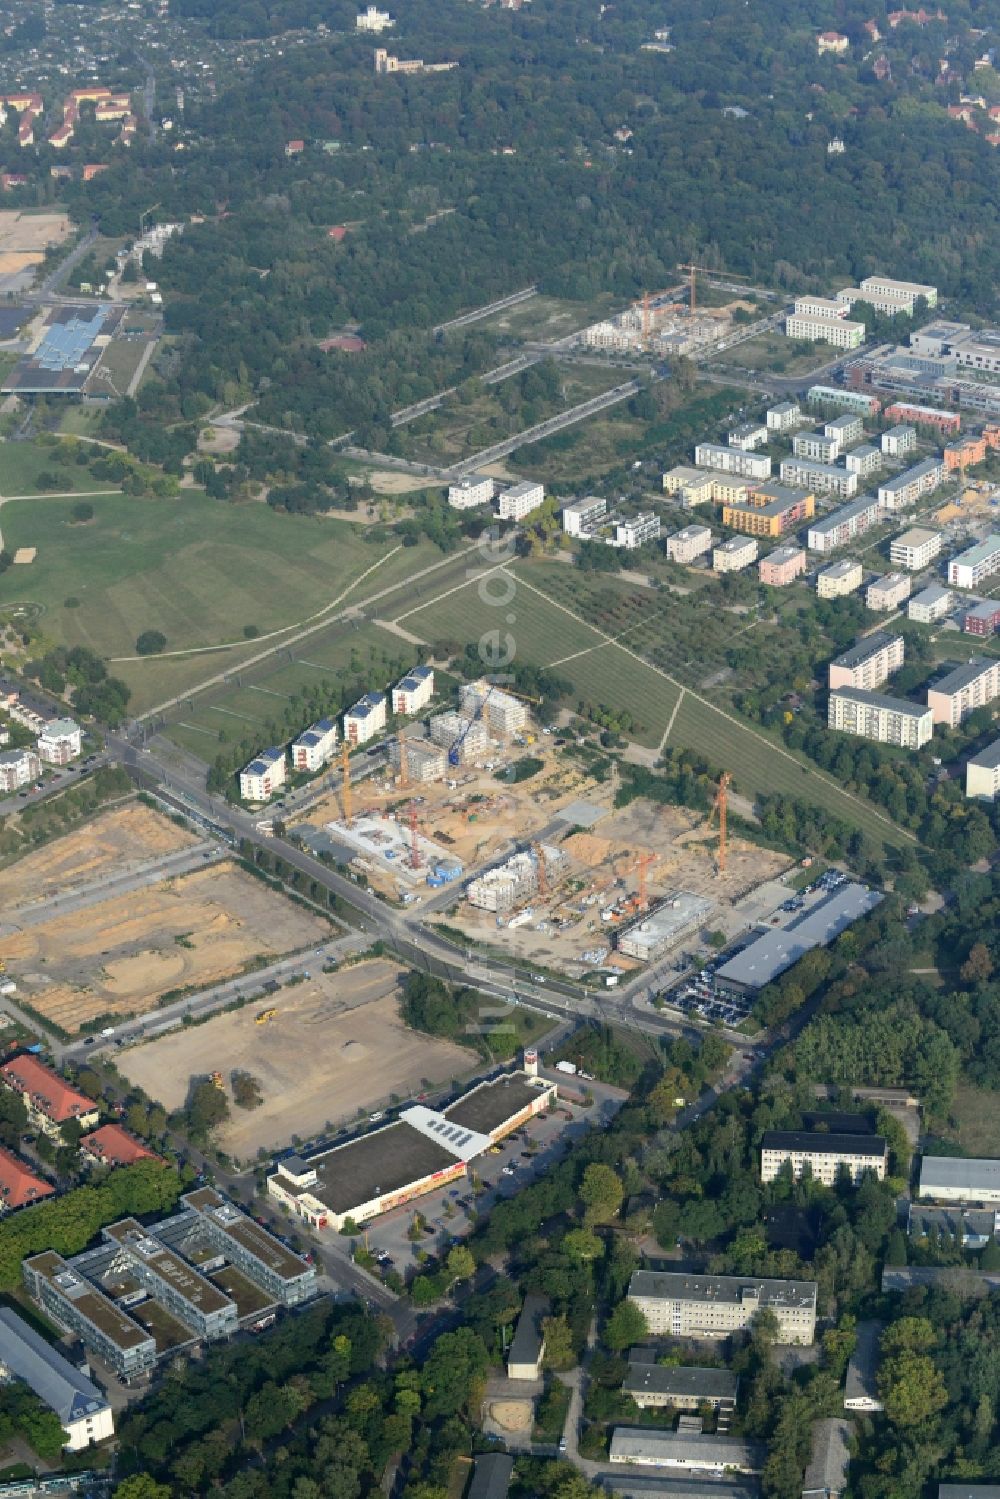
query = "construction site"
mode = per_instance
[{"x": 662, "y": 325}]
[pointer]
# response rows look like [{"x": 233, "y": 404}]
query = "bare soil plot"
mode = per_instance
[
  {"x": 335, "y": 1046},
  {"x": 120, "y": 956},
  {"x": 32, "y": 231},
  {"x": 112, "y": 844}
]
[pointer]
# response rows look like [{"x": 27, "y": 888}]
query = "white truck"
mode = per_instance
[{"x": 568, "y": 1067}]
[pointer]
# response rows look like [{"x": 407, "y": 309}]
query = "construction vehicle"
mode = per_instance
[
  {"x": 707, "y": 270},
  {"x": 721, "y": 805},
  {"x": 264, "y": 1016},
  {"x": 217, "y": 1082}
]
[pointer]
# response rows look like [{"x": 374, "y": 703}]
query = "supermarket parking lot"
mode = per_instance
[{"x": 502, "y": 1175}]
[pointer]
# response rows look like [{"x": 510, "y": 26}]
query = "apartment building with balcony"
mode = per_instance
[{"x": 873, "y": 715}]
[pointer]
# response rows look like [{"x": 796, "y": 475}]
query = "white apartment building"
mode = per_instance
[
  {"x": 821, "y": 478},
  {"x": 888, "y": 592},
  {"x": 82, "y": 1410},
  {"x": 824, "y": 1156},
  {"x": 732, "y": 461},
  {"x": 837, "y": 331},
  {"x": 962, "y": 691},
  {"x": 783, "y": 417},
  {"x": 690, "y": 486},
  {"x": 414, "y": 691},
  {"x": 18, "y": 767},
  {"x": 264, "y": 775},
  {"x": 872, "y": 715},
  {"x": 915, "y": 549},
  {"x": 974, "y": 566},
  {"x": 906, "y": 488},
  {"x": 863, "y": 461},
  {"x": 713, "y": 1306},
  {"x": 520, "y": 500},
  {"x": 366, "y": 719},
  {"x": 869, "y": 662},
  {"x": 840, "y": 579},
  {"x": 59, "y": 742},
  {"x": 899, "y": 441},
  {"x": 472, "y": 490},
  {"x": 685, "y": 546},
  {"x": 374, "y": 20},
  {"x": 734, "y": 554},
  {"x": 824, "y": 307},
  {"x": 846, "y": 429},
  {"x": 836, "y": 530},
  {"x": 930, "y": 605},
  {"x": 982, "y": 773},
  {"x": 906, "y": 292},
  {"x": 747, "y": 436},
  {"x": 634, "y": 533},
  {"x": 816, "y": 446},
  {"x": 579, "y": 517},
  {"x": 315, "y": 747}
]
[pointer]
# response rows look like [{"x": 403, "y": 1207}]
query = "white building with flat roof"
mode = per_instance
[
  {"x": 915, "y": 549},
  {"x": 828, "y": 532},
  {"x": 747, "y": 436},
  {"x": 846, "y": 428},
  {"x": 888, "y": 592},
  {"x": 783, "y": 417},
  {"x": 947, "y": 1178},
  {"x": 864, "y": 460},
  {"x": 366, "y": 719},
  {"x": 837, "y": 331},
  {"x": 734, "y": 554},
  {"x": 982, "y": 773},
  {"x": 822, "y": 478},
  {"x": 414, "y": 691},
  {"x": 265, "y": 775},
  {"x": 929, "y": 605},
  {"x": 690, "y": 543},
  {"x": 634, "y": 533},
  {"x": 899, "y": 441},
  {"x": 839, "y": 579},
  {"x": 580, "y": 517},
  {"x": 817, "y": 446},
  {"x": 732, "y": 461},
  {"x": 470, "y": 491},
  {"x": 374, "y": 20},
  {"x": 520, "y": 500},
  {"x": 976, "y": 564},
  {"x": 18, "y": 767},
  {"x": 825, "y": 1156},
  {"x": 873, "y": 715},
  {"x": 59, "y": 742},
  {"x": 905, "y": 489}
]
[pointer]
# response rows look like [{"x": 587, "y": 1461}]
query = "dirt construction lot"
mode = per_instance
[
  {"x": 120, "y": 956},
  {"x": 112, "y": 844},
  {"x": 335, "y": 1046}
]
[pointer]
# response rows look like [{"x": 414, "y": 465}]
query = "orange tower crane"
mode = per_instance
[
  {"x": 720, "y": 804},
  {"x": 415, "y": 859},
  {"x": 709, "y": 271},
  {"x": 543, "y": 879},
  {"x": 345, "y": 782},
  {"x": 404, "y": 765}
]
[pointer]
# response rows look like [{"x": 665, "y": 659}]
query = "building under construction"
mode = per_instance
[
  {"x": 669, "y": 922},
  {"x": 424, "y": 762},
  {"x": 512, "y": 883},
  {"x": 504, "y": 714},
  {"x": 468, "y": 735}
]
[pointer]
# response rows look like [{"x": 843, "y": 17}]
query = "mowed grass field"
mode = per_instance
[
  {"x": 22, "y": 462},
  {"x": 195, "y": 569}
]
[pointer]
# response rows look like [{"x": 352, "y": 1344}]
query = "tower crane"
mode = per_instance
[
  {"x": 411, "y": 815},
  {"x": 543, "y": 879},
  {"x": 345, "y": 781},
  {"x": 720, "y": 804},
  {"x": 708, "y": 271}
]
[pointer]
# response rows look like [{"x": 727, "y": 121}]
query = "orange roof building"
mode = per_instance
[
  {"x": 114, "y": 1146},
  {"x": 48, "y": 1096},
  {"x": 19, "y": 1186},
  {"x": 93, "y": 169}
]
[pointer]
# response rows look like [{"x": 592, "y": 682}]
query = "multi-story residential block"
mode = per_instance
[
  {"x": 113, "y": 1146},
  {"x": 83, "y": 1412},
  {"x": 899, "y": 441},
  {"x": 816, "y": 446},
  {"x": 580, "y": 517},
  {"x": 634, "y": 533},
  {"x": 868, "y": 663},
  {"x": 982, "y": 619},
  {"x": 188, "y": 1295},
  {"x": 286, "y": 1277},
  {"x": 682, "y": 1387},
  {"x": 690, "y": 486},
  {"x": 49, "y": 1099},
  {"x": 687, "y": 545},
  {"x": 982, "y": 773},
  {"x": 915, "y": 549},
  {"x": 974, "y": 566},
  {"x": 732, "y": 461},
  {"x": 18, "y": 768},
  {"x": 782, "y": 566},
  {"x": 366, "y": 719},
  {"x": 962, "y": 691},
  {"x": 843, "y": 525},
  {"x": 734, "y": 554},
  {"x": 503, "y": 714},
  {"x": 472, "y": 490},
  {"x": 414, "y": 691},
  {"x": 59, "y": 742},
  {"x": 520, "y": 500},
  {"x": 747, "y": 436},
  {"x": 713, "y": 1306},
  {"x": 840, "y": 579},
  {"x": 315, "y": 747},
  {"x": 845, "y": 429},
  {"x": 264, "y": 775},
  {"x": 863, "y": 461},
  {"x": 888, "y": 592},
  {"x": 846, "y": 400},
  {"x": 930, "y": 604},
  {"x": 770, "y": 510},
  {"x": 783, "y": 417},
  {"x": 905, "y": 489},
  {"x": 889, "y": 296},
  {"x": 826, "y": 1157},
  {"x": 924, "y": 416},
  {"x": 818, "y": 307},
  {"x": 964, "y": 453},
  {"x": 837, "y": 331},
  {"x": 887, "y": 720},
  {"x": 424, "y": 762},
  {"x": 82, "y": 1309},
  {"x": 822, "y": 478}
]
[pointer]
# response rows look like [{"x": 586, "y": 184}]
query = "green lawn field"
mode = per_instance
[{"x": 22, "y": 462}]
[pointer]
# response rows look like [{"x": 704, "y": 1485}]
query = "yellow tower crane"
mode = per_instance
[
  {"x": 720, "y": 804},
  {"x": 345, "y": 783}
]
